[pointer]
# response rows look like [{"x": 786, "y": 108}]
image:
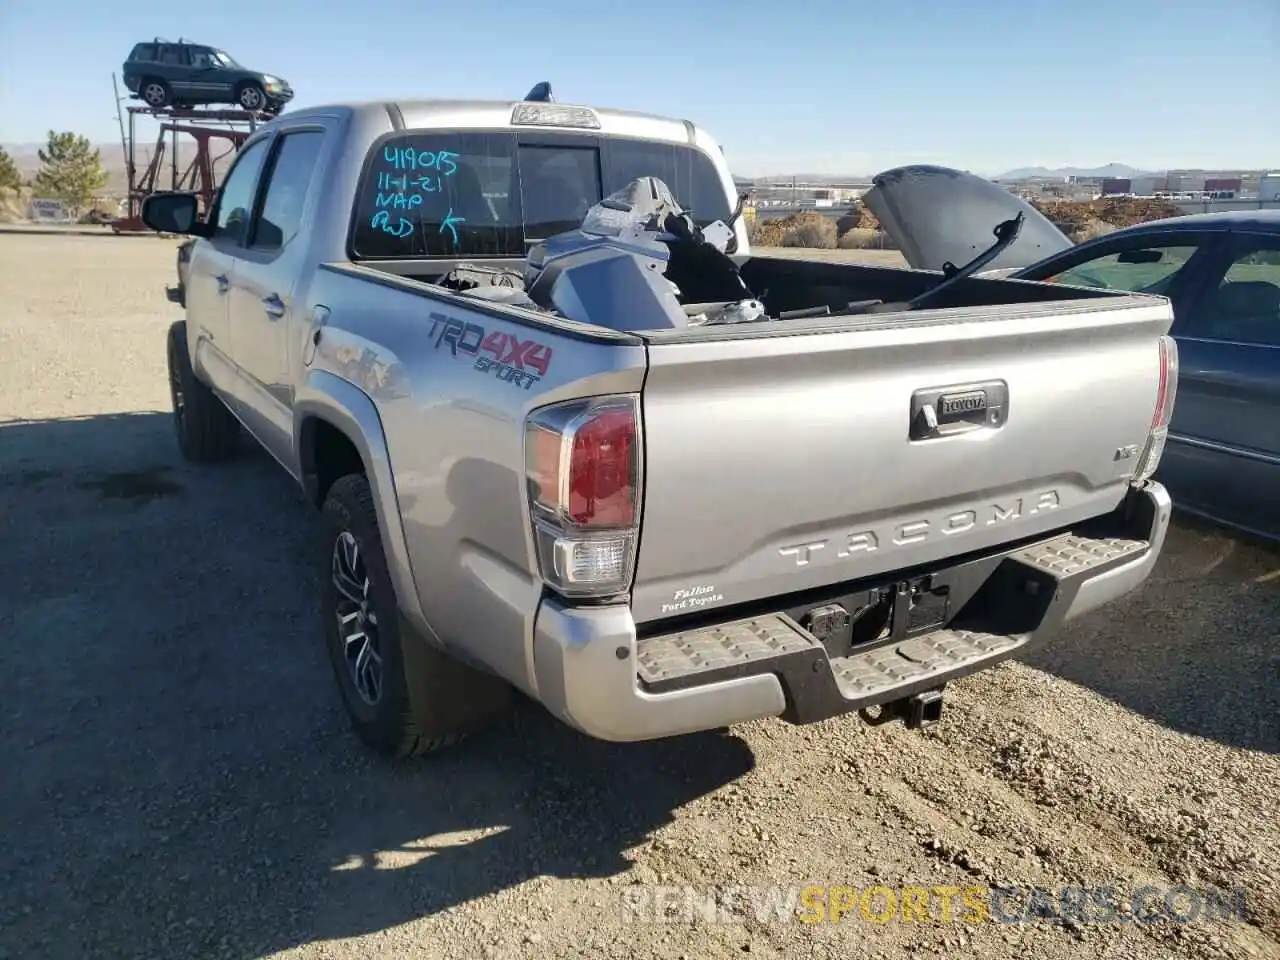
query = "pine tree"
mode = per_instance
[
  {"x": 71, "y": 171},
  {"x": 10, "y": 178}
]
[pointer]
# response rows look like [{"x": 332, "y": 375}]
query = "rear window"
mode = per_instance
[
  {"x": 494, "y": 194},
  {"x": 690, "y": 175},
  {"x": 144, "y": 51}
]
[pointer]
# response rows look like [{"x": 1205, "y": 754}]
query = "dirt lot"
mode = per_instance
[
  {"x": 879, "y": 258},
  {"x": 179, "y": 780}
]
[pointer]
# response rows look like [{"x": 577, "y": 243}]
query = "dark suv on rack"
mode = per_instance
[{"x": 183, "y": 74}]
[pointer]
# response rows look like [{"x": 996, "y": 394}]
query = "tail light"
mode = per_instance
[
  {"x": 582, "y": 464},
  {"x": 1166, "y": 392}
]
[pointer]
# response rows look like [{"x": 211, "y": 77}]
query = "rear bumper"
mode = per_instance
[{"x": 594, "y": 674}]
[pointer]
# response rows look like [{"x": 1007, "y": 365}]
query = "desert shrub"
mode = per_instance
[
  {"x": 1071, "y": 216},
  {"x": 765, "y": 233},
  {"x": 13, "y": 204},
  {"x": 864, "y": 238},
  {"x": 810, "y": 230},
  {"x": 1091, "y": 229}
]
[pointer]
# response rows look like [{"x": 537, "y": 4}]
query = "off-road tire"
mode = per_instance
[
  {"x": 428, "y": 700},
  {"x": 155, "y": 82},
  {"x": 243, "y": 91},
  {"x": 207, "y": 431}
]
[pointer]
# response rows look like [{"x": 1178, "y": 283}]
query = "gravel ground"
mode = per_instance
[{"x": 179, "y": 780}]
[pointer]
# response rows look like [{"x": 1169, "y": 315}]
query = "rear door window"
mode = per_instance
[
  {"x": 494, "y": 194},
  {"x": 173, "y": 55},
  {"x": 1146, "y": 269},
  {"x": 1244, "y": 307},
  {"x": 440, "y": 195}
]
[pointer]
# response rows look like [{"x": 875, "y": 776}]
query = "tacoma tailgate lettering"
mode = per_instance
[{"x": 917, "y": 531}]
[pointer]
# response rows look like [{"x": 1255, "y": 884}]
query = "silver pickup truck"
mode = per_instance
[{"x": 570, "y": 437}]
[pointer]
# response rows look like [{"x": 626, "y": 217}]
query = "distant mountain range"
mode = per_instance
[
  {"x": 1116, "y": 170},
  {"x": 1120, "y": 170}
]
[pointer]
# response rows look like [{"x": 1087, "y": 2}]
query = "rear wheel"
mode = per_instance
[
  {"x": 155, "y": 92},
  {"x": 403, "y": 696},
  {"x": 206, "y": 430}
]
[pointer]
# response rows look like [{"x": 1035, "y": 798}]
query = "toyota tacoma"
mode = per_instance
[{"x": 568, "y": 435}]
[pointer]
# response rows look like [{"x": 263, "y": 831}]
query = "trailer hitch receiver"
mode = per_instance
[{"x": 917, "y": 711}]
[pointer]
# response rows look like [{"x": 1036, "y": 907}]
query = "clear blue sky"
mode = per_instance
[{"x": 812, "y": 85}]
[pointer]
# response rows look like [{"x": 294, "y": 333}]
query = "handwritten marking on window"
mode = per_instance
[
  {"x": 449, "y": 224},
  {"x": 382, "y": 220},
  {"x": 413, "y": 177},
  {"x": 407, "y": 158},
  {"x": 398, "y": 201},
  {"x": 428, "y": 183}
]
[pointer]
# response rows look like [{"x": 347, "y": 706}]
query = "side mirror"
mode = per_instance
[{"x": 173, "y": 213}]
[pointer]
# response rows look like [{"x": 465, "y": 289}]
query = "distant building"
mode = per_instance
[
  {"x": 1222, "y": 188},
  {"x": 1185, "y": 181},
  {"x": 1131, "y": 186}
]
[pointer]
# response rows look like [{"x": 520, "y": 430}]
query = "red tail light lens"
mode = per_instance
[
  {"x": 582, "y": 462},
  {"x": 602, "y": 471},
  {"x": 1166, "y": 392},
  {"x": 1168, "y": 383}
]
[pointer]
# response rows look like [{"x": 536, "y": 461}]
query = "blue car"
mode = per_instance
[{"x": 1221, "y": 271}]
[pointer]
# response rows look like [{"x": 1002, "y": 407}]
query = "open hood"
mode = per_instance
[{"x": 937, "y": 215}]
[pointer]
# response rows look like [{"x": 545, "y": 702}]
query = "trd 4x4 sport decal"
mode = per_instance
[{"x": 519, "y": 362}]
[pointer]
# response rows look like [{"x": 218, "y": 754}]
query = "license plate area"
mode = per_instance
[{"x": 881, "y": 615}]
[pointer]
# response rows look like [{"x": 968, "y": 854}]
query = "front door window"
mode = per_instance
[
  {"x": 1148, "y": 269},
  {"x": 236, "y": 201}
]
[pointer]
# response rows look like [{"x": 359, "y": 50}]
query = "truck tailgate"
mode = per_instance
[{"x": 779, "y": 463}]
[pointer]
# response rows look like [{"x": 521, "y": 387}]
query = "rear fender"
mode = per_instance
[{"x": 346, "y": 407}]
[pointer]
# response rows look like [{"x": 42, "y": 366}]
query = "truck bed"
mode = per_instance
[
  {"x": 787, "y": 284},
  {"x": 783, "y": 456}
]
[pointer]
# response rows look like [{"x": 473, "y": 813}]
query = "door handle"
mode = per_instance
[
  {"x": 274, "y": 307},
  {"x": 947, "y": 411},
  {"x": 223, "y": 282}
]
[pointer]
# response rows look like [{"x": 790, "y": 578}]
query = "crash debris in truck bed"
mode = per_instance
[{"x": 639, "y": 246}]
